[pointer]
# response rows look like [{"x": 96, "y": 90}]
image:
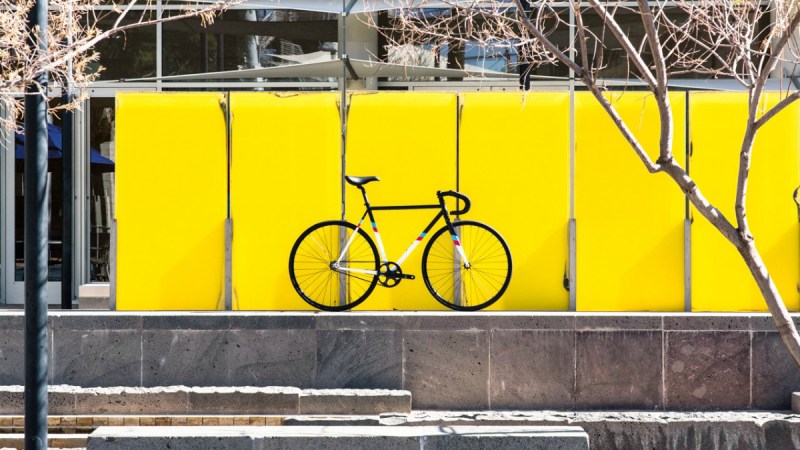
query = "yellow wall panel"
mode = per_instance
[
  {"x": 720, "y": 279},
  {"x": 629, "y": 222},
  {"x": 408, "y": 140},
  {"x": 171, "y": 197},
  {"x": 520, "y": 186},
  {"x": 285, "y": 176}
]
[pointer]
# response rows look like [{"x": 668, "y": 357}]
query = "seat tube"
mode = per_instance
[
  {"x": 349, "y": 240},
  {"x": 377, "y": 234}
]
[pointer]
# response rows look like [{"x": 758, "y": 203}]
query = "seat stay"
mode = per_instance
[{"x": 350, "y": 240}]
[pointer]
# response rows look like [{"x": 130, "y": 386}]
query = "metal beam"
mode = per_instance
[{"x": 68, "y": 203}]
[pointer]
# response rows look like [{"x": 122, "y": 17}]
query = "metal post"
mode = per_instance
[
  {"x": 573, "y": 226},
  {"x": 36, "y": 230},
  {"x": 687, "y": 221},
  {"x": 68, "y": 202},
  {"x": 342, "y": 53}
]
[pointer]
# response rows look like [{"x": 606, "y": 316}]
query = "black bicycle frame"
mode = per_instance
[{"x": 442, "y": 213}]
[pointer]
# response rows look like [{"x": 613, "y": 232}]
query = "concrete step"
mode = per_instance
[
  {"x": 17, "y": 441},
  {"x": 182, "y": 400},
  {"x": 87, "y": 424},
  {"x": 341, "y": 437}
]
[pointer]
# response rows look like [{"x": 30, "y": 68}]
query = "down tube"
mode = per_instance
[{"x": 419, "y": 239}]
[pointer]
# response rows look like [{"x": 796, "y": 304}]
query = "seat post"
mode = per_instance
[{"x": 364, "y": 194}]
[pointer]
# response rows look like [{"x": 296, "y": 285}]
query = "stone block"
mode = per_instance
[
  {"x": 707, "y": 370},
  {"x": 336, "y": 421},
  {"x": 175, "y": 438},
  {"x": 95, "y": 303},
  {"x": 775, "y": 375},
  {"x": 95, "y": 320},
  {"x": 12, "y": 400},
  {"x": 376, "y": 320},
  {"x": 532, "y": 369},
  {"x": 354, "y": 401},
  {"x": 762, "y": 322},
  {"x": 67, "y": 440},
  {"x": 447, "y": 369},
  {"x": 796, "y": 402},
  {"x": 618, "y": 370},
  {"x": 523, "y": 320},
  {"x": 618, "y": 321},
  {"x": 341, "y": 437},
  {"x": 445, "y": 321},
  {"x": 186, "y": 321},
  {"x": 61, "y": 400},
  {"x": 706, "y": 322},
  {"x": 185, "y": 357},
  {"x": 94, "y": 296},
  {"x": 272, "y": 321},
  {"x": 133, "y": 400},
  {"x": 97, "y": 357},
  {"x": 244, "y": 400},
  {"x": 272, "y": 358},
  {"x": 359, "y": 359},
  {"x": 12, "y": 356},
  {"x": 12, "y": 320}
]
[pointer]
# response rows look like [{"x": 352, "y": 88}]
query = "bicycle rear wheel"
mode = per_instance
[
  {"x": 317, "y": 278},
  {"x": 467, "y": 287}
]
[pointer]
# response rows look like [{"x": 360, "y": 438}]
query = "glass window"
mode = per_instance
[
  {"x": 242, "y": 39},
  {"x": 461, "y": 51},
  {"x": 131, "y": 54},
  {"x": 101, "y": 185},
  {"x": 55, "y": 202}
]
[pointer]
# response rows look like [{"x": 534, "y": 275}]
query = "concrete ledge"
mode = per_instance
[
  {"x": 354, "y": 401},
  {"x": 74, "y": 400},
  {"x": 343, "y": 437},
  {"x": 721, "y": 430},
  {"x": 94, "y": 296},
  {"x": 17, "y": 441}
]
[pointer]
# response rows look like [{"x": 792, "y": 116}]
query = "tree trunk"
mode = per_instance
[{"x": 783, "y": 322}]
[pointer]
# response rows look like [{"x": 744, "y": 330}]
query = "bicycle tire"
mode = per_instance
[
  {"x": 311, "y": 266},
  {"x": 467, "y": 288}
]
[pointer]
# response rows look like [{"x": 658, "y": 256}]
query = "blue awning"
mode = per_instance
[{"x": 54, "y": 148}]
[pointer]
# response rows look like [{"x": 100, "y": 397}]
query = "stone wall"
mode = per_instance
[{"x": 448, "y": 360}]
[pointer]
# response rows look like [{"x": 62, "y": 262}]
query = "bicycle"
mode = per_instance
[{"x": 466, "y": 265}]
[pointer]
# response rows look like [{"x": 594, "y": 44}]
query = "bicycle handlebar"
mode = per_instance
[{"x": 460, "y": 196}]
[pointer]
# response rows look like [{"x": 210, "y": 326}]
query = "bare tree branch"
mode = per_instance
[
  {"x": 73, "y": 32},
  {"x": 717, "y": 38}
]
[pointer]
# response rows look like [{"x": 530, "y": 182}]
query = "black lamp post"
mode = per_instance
[{"x": 36, "y": 229}]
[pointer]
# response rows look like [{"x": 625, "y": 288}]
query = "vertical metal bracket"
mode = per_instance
[
  {"x": 573, "y": 266},
  {"x": 225, "y": 104},
  {"x": 687, "y": 264},
  {"x": 112, "y": 272},
  {"x": 228, "y": 264}
]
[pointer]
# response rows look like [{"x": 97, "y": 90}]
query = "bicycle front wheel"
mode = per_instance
[
  {"x": 324, "y": 277},
  {"x": 476, "y": 283}
]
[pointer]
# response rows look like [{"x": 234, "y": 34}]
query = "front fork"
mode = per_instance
[{"x": 453, "y": 234}]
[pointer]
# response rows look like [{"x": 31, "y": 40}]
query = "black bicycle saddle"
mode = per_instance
[{"x": 360, "y": 181}]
